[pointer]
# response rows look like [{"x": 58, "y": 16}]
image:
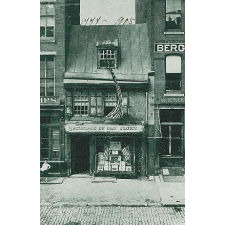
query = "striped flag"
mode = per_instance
[
  {"x": 106, "y": 153},
  {"x": 117, "y": 112},
  {"x": 126, "y": 153}
]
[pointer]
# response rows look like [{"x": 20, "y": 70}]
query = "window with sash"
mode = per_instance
[
  {"x": 105, "y": 55},
  {"x": 47, "y": 75},
  {"x": 173, "y": 73},
  {"x": 173, "y": 14},
  {"x": 93, "y": 102},
  {"x": 172, "y": 127},
  {"x": 47, "y": 20},
  {"x": 80, "y": 103},
  {"x": 50, "y": 140}
]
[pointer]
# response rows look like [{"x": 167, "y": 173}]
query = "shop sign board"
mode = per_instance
[
  {"x": 102, "y": 128},
  {"x": 179, "y": 100},
  {"x": 49, "y": 100},
  {"x": 169, "y": 47}
]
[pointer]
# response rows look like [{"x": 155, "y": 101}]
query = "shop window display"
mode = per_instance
[{"x": 114, "y": 155}]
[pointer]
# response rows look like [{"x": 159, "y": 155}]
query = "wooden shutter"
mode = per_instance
[
  {"x": 125, "y": 102},
  {"x": 93, "y": 103},
  {"x": 100, "y": 108},
  {"x": 69, "y": 103}
]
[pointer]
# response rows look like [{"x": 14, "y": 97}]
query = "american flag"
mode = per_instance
[
  {"x": 117, "y": 112},
  {"x": 126, "y": 153},
  {"x": 106, "y": 153}
]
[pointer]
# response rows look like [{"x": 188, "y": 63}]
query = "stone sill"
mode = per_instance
[
  {"x": 174, "y": 32},
  {"x": 174, "y": 95}
]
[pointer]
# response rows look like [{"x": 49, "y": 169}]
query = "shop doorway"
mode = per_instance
[{"x": 80, "y": 155}]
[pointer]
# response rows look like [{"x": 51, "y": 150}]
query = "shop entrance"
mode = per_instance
[{"x": 80, "y": 154}]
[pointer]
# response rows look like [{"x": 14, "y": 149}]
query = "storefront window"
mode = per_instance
[
  {"x": 172, "y": 132},
  {"x": 50, "y": 141},
  {"x": 114, "y": 155}
]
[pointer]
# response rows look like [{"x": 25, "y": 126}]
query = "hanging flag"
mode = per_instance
[
  {"x": 126, "y": 153},
  {"x": 106, "y": 153},
  {"x": 117, "y": 112}
]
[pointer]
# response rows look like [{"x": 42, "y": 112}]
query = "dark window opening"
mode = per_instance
[
  {"x": 173, "y": 14},
  {"x": 173, "y": 81}
]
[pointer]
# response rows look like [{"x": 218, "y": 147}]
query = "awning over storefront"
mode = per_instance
[{"x": 104, "y": 128}]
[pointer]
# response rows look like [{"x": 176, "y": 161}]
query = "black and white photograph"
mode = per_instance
[{"x": 112, "y": 112}]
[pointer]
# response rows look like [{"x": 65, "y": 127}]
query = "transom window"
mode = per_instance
[
  {"x": 47, "y": 75},
  {"x": 173, "y": 73},
  {"x": 173, "y": 14},
  {"x": 104, "y": 55},
  {"x": 81, "y": 103},
  {"x": 47, "y": 20}
]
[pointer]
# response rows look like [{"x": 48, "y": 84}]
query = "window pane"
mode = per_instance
[
  {"x": 42, "y": 10},
  {"x": 173, "y": 21},
  {"x": 50, "y": 9},
  {"x": 55, "y": 143},
  {"x": 173, "y": 64},
  {"x": 165, "y": 131},
  {"x": 50, "y": 73},
  {"x": 42, "y": 72},
  {"x": 173, "y": 6},
  {"x": 176, "y": 131},
  {"x": 176, "y": 147},
  {"x": 50, "y": 21},
  {"x": 173, "y": 81},
  {"x": 42, "y": 91},
  {"x": 170, "y": 115},
  {"x": 164, "y": 146},
  {"x": 49, "y": 31},
  {"x": 43, "y": 21},
  {"x": 42, "y": 31}
]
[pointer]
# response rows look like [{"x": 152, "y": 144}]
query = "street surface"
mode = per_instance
[{"x": 111, "y": 215}]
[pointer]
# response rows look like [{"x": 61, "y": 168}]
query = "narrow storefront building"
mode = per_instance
[{"x": 107, "y": 90}]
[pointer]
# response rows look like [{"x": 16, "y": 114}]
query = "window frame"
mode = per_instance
[
  {"x": 50, "y": 138},
  {"x": 45, "y": 37},
  {"x": 111, "y": 48},
  {"x": 170, "y": 137},
  {"x": 87, "y": 101},
  {"x": 173, "y": 74},
  {"x": 45, "y": 78},
  {"x": 181, "y": 17}
]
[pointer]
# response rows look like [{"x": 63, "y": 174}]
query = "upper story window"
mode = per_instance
[
  {"x": 47, "y": 21},
  {"x": 105, "y": 55},
  {"x": 173, "y": 73},
  {"x": 173, "y": 14},
  {"x": 47, "y": 75},
  {"x": 109, "y": 103},
  {"x": 80, "y": 103}
]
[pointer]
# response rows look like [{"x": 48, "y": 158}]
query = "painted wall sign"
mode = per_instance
[
  {"x": 51, "y": 100},
  {"x": 101, "y": 128},
  {"x": 107, "y": 12},
  {"x": 169, "y": 47}
]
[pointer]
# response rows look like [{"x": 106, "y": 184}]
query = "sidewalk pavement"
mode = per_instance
[
  {"x": 171, "y": 193},
  {"x": 78, "y": 191},
  {"x": 82, "y": 191}
]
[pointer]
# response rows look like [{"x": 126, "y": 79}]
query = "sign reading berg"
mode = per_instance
[
  {"x": 101, "y": 128},
  {"x": 169, "y": 47}
]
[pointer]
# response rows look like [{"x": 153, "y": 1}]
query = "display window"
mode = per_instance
[{"x": 115, "y": 154}]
